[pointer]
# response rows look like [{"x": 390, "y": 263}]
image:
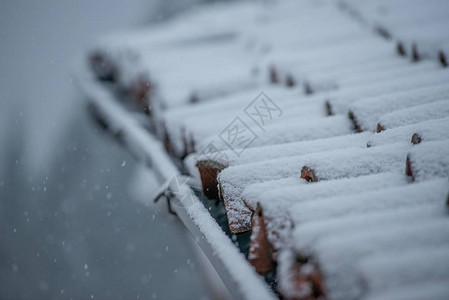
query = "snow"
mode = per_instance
[
  {"x": 253, "y": 191},
  {"x": 351, "y": 47},
  {"x": 246, "y": 46},
  {"x": 416, "y": 114},
  {"x": 341, "y": 230},
  {"x": 384, "y": 199},
  {"x": 174, "y": 119},
  {"x": 417, "y": 24},
  {"x": 288, "y": 131},
  {"x": 434, "y": 290},
  {"x": 285, "y": 196},
  {"x": 350, "y": 162},
  {"x": 429, "y": 160},
  {"x": 257, "y": 154},
  {"x": 343, "y": 98},
  {"x": 357, "y": 75},
  {"x": 368, "y": 110},
  {"x": 354, "y": 162},
  {"x": 286, "y": 277},
  {"x": 431, "y": 130},
  {"x": 195, "y": 127},
  {"x": 309, "y": 234},
  {"x": 277, "y": 202},
  {"x": 236, "y": 101},
  {"x": 339, "y": 255},
  {"x": 321, "y": 60},
  {"x": 205, "y": 84},
  {"x": 390, "y": 270}
]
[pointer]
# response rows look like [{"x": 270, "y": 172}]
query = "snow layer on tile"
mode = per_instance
[
  {"x": 353, "y": 69},
  {"x": 276, "y": 203},
  {"x": 288, "y": 131},
  {"x": 416, "y": 114},
  {"x": 354, "y": 48},
  {"x": 417, "y": 24},
  {"x": 351, "y": 162},
  {"x": 434, "y": 191},
  {"x": 343, "y": 98},
  {"x": 430, "y": 160},
  {"x": 434, "y": 290},
  {"x": 431, "y": 130},
  {"x": 320, "y": 71},
  {"x": 368, "y": 110},
  {"x": 256, "y": 154},
  {"x": 272, "y": 195},
  {"x": 354, "y": 162},
  {"x": 431, "y": 42},
  {"x": 236, "y": 101},
  {"x": 392, "y": 269},
  {"x": 234, "y": 179},
  {"x": 199, "y": 128},
  {"x": 235, "y": 73},
  {"x": 356, "y": 76},
  {"x": 310, "y": 233},
  {"x": 189, "y": 45},
  {"x": 253, "y": 191},
  {"x": 215, "y": 115},
  {"x": 339, "y": 256}
]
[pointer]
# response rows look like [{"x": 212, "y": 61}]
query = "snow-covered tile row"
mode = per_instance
[
  {"x": 210, "y": 164},
  {"x": 367, "y": 111},
  {"x": 431, "y": 130},
  {"x": 413, "y": 115},
  {"x": 333, "y": 164},
  {"x": 278, "y": 201}
]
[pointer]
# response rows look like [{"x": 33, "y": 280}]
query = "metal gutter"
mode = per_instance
[{"x": 236, "y": 273}]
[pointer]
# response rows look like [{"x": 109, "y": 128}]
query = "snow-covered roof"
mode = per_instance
[{"x": 320, "y": 126}]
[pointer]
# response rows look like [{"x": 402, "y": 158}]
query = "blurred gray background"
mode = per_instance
[{"x": 73, "y": 219}]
